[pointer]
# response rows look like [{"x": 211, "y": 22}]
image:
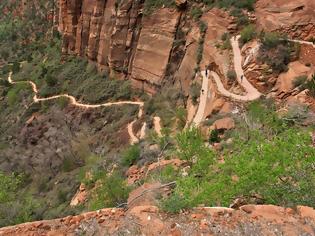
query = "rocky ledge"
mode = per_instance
[{"x": 148, "y": 220}]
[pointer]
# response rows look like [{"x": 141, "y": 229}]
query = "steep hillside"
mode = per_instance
[{"x": 157, "y": 117}]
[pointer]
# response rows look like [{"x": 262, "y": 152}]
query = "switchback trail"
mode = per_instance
[
  {"x": 252, "y": 92},
  {"x": 74, "y": 102}
]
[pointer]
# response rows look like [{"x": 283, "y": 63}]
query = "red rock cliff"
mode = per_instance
[{"x": 119, "y": 38}]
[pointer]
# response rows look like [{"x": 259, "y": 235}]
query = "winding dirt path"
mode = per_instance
[
  {"x": 74, "y": 102},
  {"x": 252, "y": 92},
  {"x": 133, "y": 138},
  {"x": 302, "y": 42}
]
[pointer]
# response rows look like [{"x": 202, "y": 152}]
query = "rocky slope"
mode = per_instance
[{"x": 152, "y": 49}]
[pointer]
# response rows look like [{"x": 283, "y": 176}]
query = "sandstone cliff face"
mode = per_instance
[
  {"x": 119, "y": 38},
  {"x": 294, "y": 17}
]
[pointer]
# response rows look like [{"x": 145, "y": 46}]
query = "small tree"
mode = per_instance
[
  {"x": 247, "y": 34},
  {"x": 231, "y": 75}
]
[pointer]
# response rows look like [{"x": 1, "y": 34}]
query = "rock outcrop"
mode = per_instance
[
  {"x": 294, "y": 17},
  {"x": 148, "y": 220}
]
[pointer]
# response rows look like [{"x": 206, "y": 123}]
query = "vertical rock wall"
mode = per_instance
[{"x": 119, "y": 38}]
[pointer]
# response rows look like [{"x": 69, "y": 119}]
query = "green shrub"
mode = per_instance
[
  {"x": 131, "y": 155},
  {"x": 150, "y": 5},
  {"x": 50, "y": 80},
  {"x": 225, "y": 36},
  {"x": 271, "y": 40},
  {"x": 214, "y": 136},
  {"x": 69, "y": 164},
  {"x": 191, "y": 145},
  {"x": 241, "y": 19},
  {"x": 195, "y": 92},
  {"x": 231, "y": 75},
  {"x": 196, "y": 13},
  {"x": 247, "y": 34},
  {"x": 174, "y": 204},
  {"x": 111, "y": 192},
  {"x": 276, "y": 51},
  {"x": 299, "y": 80},
  {"x": 310, "y": 85},
  {"x": 12, "y": 97}
]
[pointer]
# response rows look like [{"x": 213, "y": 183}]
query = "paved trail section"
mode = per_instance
[
  {"x": 133, "y": 138},
  {"x": 204, "y": 94},
  {"x": 252, "y": 92}
]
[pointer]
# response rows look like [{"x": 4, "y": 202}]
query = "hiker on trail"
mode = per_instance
[
  {"x": 242, "y": 76},
  {"x": 206, "y": 72},
  {"x": 202, "y": 91}
]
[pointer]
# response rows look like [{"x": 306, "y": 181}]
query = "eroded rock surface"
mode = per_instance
[{"x": 148, "y": 220}]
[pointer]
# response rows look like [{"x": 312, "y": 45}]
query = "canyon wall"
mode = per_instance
[{"x": 122, "y": 41}]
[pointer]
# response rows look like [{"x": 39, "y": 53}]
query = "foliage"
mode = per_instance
[
  {"x": 227, "y": 4},
  {"x": 131, "y": 155},
  {"x": 9, "y": 184},
  {"x": 241, "y": 19},
  {"x": 151, "y": 5},
  {"x": 310, "y": 85},
  {"x": 196, "y": 13},
  {"x": 276, "y": 51},
  {"x": 14, "y": 210},
  {"x": 269, "y": 157},
  {"x": 195, "y": 92},
  {"x": 231, "y": 75},
  {"x": 214, "y": 136},
  {"x": 190, "y": 144},
  {"x": 271, "y": 40},
  {"x": 174, "y": 204},
  {"x": 111, "y": 191},
  {"x": 226, "y": 37},
  {"x": 299, "y": 80},
  {"x": 247, "y": 34}
]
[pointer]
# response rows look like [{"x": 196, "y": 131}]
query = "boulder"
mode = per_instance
[{"x": 226, "y": 123}]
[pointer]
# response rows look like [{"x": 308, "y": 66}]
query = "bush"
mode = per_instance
[
  {"x": 174, "y": 204},
  {"x": 131, "y": 155},
  {"x": 150, "y": 5},
  {"x": 241, "y": 19},
  {"x": 112, "y": 191},
  {"x": 299, "y": 80},
  {"x": 196, "y": 13},
  {"x": 275, "y": 52},
  {"x": 310, "y": 85},
  {"x": 247, "y": 34},
  {"x": 214, "y": 136},
  {"x": 226, "y": 41},
  {"x": 50, "y": 80},
  {"x": 231, "y": 75},
  {"x": 191, "y": 145},
  {"x": 12, "y": 97},
  {"x": 271, "y": 40},
  {"x": 195, "y": 92}
]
